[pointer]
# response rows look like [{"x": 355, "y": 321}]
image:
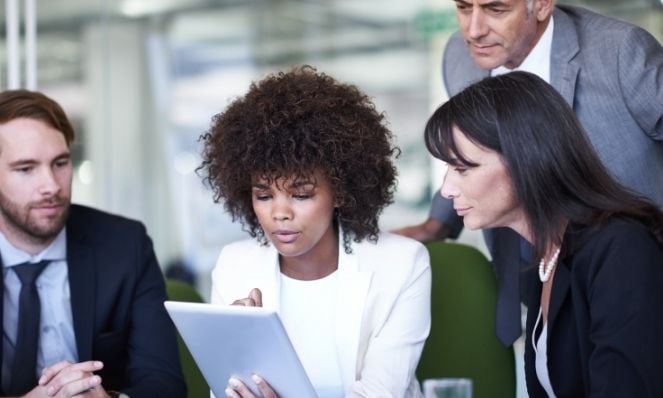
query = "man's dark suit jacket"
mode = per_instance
[
  {"x": 605, "y": 327},
  {"x": 117, "y": 294}
]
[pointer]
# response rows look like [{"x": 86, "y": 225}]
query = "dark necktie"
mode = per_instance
[
  {"x": 507, "y": 263},
  {"x": 23, "y": 375}
]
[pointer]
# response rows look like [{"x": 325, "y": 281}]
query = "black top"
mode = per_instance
[{"x": 605, "y": 318}]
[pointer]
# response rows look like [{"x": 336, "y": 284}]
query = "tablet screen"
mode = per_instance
[{"x": 238, "y": 341}]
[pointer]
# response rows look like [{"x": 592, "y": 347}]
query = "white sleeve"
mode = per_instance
[{"x": 393, "y": 352}]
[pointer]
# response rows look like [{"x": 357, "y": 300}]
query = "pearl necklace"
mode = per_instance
[{"x": 546, "y": 269}]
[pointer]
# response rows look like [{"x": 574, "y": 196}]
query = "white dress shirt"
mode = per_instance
[{"x": 538, "y": 60}]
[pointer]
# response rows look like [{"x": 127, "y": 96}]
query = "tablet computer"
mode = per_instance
[{"x": 239, "y": 341}]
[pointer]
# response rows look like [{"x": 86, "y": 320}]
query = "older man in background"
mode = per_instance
[{"x": 609, "y": 71}]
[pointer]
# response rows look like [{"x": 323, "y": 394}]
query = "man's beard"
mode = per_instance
[{"x": 18, "y": 218}]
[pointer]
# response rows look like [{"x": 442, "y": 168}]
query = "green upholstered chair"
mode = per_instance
[
  {"x": 462, "y": 341},
  {"x": 196, "y": 385}
]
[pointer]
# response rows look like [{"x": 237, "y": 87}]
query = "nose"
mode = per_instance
[
  {"x": 477, "y": 24},
  {"x": 281, "y": 209},
  {"x": 449, "y": 190},
  {"x": 48, "y": 183}
]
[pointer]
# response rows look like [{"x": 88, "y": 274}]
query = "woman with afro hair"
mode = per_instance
[{"x": 305, "y": 164}]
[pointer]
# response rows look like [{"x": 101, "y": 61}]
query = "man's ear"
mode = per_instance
[{"x": 543, "y": 9}]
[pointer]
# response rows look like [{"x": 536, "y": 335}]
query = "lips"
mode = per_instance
[
  {"x": 482, "y": 48},
  {"x": 49, "y": 208},
  {"x": 284, "y": 236},
  {"x": 462, "y": 210}
]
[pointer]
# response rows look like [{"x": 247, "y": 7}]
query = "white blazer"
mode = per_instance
[{"x": 383, "y": 313}]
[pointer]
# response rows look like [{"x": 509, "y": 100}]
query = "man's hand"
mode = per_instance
[{"x": 66, "y": 380}]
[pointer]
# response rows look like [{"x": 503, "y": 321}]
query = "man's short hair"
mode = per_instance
[{"x": 15, "y": 104}]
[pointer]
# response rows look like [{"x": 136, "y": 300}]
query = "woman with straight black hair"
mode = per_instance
[{"x": 518, "y": 158}]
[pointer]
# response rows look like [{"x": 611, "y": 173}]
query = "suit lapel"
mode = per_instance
[
  {"x": 563, "y": 70},
  {"x": 560, "y": 289},
  {"x": 351, "y": 299},
  {"x": 81, "y": 264},
  {"x": 573, "y": 239}
]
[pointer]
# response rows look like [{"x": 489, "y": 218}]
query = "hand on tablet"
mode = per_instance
[
  {"x": 254, "y": 299},
  {"x": 237, "y": 389}
]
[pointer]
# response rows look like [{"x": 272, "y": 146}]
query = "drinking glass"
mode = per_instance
[{"x": 448, "y": 388}]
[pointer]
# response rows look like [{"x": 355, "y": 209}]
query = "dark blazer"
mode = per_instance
[
  {"x": 117, "y": 294},
  {"x": 605, "y": 329}
]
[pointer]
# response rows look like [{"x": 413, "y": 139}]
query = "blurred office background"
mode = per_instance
[{"x": 142, "y": 78}]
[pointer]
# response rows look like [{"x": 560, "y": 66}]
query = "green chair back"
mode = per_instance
[
  {"x": 462, "y": 341},
  {"x": 196, "y": 385}
]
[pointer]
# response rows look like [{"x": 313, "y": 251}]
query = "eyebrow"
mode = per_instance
[
  {"x": 299, "y": 184},
  {"x": 29, "y": 162},
  {"x": 295, "y": 184},
  {"x": 494, "y": 4},
  {"x": 491, "y": 4}
]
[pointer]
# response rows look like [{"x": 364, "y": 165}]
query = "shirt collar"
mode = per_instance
[
  {"x": 538, "y": 60},
  {"x": 56, "y": 251}
]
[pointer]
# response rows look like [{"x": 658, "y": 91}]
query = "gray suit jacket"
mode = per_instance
[{"x": 611, "y": 73}]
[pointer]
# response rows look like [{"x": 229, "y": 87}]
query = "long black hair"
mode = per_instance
[{"x": 555, "y": 173}]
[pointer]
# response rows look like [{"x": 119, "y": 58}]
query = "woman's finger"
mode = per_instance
[
  {"x": 253, "y": 300},
  {"x": 256, "y": 295},
  {"x": 240, "y": 388},
  {"x": 246, "y": 302},
  {"x": 265, "y": 389}
]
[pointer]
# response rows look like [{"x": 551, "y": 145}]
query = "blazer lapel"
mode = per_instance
[
  {"x": 80, "y": 261},
  {"x": 572, "y": 241},
  {"x": 351, "y": 300},
  {"x": 561, "y": 285},
  {"x": 563, "y": 70}
]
